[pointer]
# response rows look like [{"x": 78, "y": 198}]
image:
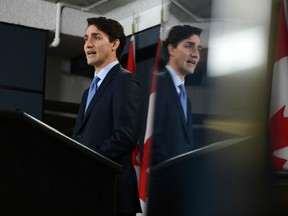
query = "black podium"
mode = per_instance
[
  {"x": 226, "y": 178},
  {"x": 43, "y": 172}
]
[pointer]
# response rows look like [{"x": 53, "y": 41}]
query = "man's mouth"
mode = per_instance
[
  {"x": 191, "y": 62},
  {"x": 90, "y": 53}
]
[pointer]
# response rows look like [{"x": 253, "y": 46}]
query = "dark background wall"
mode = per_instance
[{"x": 22, "y": 70}]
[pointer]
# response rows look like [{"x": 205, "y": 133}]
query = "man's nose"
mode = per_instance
[
  {"x": 88, "y": 43},
  {"x": 195, "y": 52}
]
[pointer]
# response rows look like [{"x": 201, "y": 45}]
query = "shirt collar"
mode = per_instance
[
  {"x": 104, "y": 71},
  {"x": 176, "y": 79}
]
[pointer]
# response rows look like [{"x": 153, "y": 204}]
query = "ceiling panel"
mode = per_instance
[
  {"x": 117, "y": 9},
  {"x": 201, "y": 8},
  {"x": 79, "y": 3},
  {"x": 120, "y": 9},
  {"x": 196, "y": 10}
]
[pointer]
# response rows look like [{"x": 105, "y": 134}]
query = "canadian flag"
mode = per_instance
[
  {"x": 279, "y": 96},
  {"x": 144, "y": 176},
  {"x": 145, "y": 162},
  {"x": 131, "y": 66}
]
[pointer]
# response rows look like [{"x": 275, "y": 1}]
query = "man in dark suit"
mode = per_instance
[
  {"x": 110, "y": 123},
  {"x": 172, "y": 134}
]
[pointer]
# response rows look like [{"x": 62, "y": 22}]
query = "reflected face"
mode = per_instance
[
  {"x": 185, "y": 56},
  {"x": 98, "y": 49}
]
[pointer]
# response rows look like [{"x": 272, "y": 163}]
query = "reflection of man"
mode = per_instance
[
  {"x": 173, "y": 122},
  {"x": 109, "y": 124}
]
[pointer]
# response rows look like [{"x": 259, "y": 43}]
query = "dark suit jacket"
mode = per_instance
[
  {"x": 172, "y": 135},
  {"x": 111, "y": 127}
]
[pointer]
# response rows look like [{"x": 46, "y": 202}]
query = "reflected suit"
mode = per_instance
[{"x": 172, "y": 134}]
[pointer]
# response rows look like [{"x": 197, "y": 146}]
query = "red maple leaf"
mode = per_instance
[{"x": 278, "y": 136}]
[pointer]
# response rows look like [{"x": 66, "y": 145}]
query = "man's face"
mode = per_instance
[
  {"x": 185, "y": 56},
  {"x": 98, "y": 49}
]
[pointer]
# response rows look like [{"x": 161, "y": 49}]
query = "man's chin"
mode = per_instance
[
  {"x": 190, "y": 71},
  {"x": 91, "y": 63}
]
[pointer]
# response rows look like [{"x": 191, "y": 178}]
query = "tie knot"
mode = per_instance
[
  {"x": 96, "y": 79},
  {"x": 182, "y": 89}
]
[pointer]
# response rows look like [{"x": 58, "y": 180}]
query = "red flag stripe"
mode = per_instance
[
  {"x": 282, "y": 45},
  {"x": 131, "y": 56},
  {"x": 156, "y": 65}
]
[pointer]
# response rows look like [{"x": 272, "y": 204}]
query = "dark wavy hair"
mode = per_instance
[
  {"x": 181, "y": 32},
  {"x": 177, "y": 34},
  {"x": 112, "y": 28}
]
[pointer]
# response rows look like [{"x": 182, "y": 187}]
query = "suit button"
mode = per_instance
[{"x": 79, "y": 136}]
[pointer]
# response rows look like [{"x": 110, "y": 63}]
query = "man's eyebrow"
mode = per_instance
[
  {"x": 93, "y": 34},
  {"x": 96, "y": 34},
  {"x": 193, "y": 43}
]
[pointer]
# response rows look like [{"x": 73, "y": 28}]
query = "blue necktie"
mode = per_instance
[
  {"x": 92, "y": 90},
  {"x": 183, "y": 99}
]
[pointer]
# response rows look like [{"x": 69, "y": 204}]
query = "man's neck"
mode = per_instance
[
  {"x": 181, "y": 76},
  {"x": 104, "y": 64}
]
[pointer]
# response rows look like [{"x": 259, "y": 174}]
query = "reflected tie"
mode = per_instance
[
  {"x": 183, "y": 99},
  {"x": 92, "y": 90}
]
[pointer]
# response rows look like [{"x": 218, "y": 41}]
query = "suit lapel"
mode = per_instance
[
  {"x": 100, "y": 91},
  {"x": 189, "y": 120},
  {"x": 174, "y": 94},
  {"x": 83, "y": 104}
]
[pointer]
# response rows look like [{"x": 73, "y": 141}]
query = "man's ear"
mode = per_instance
[
  {"x": 170, "y": 49},
  {"x": 115, "y": 44}
]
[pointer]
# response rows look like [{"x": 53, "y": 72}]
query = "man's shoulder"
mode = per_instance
[
  {"x": 125, "y": 76},
  {"x": 163, "y": 72},
  {"x": 119, "y": 71},
  {"x": 163, "y": 76}
]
